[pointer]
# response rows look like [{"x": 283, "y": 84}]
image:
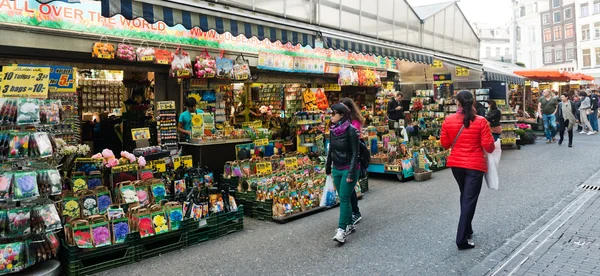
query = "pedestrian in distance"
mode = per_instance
[
  {"x": 577, "y": 102},
  {"x": 547, "y": 106},
  {"x": 566, "y": 118},
  {"x": 342, "y": 164},
  {"x": 480, "y": 109},
  {"x": 584, "y": 109},
  {"x": 467, "y": 136},
  {"x": 395, "y": 112},
  {"x": 357, "y": 121},
  {"x": 494, "y": 117},
  {"x": 593, "y": 117}
]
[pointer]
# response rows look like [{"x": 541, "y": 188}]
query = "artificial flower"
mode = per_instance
[
  {"x": 112, "y": 163},
  {"x": 97, "y": 156},
  {"x": 106, "y": 153},
  {"x": 141, "y": 161}
]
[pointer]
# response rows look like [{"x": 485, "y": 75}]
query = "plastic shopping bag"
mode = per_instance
[
  {"x": 328, "y": 198},
  {"x": 493, "y": 160}
]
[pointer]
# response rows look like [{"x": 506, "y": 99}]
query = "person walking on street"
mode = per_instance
[
  {"x": 585, "y": 107},
  {"x": 467, "y": 136},
  {"x": 395, "y": 112},
  {"x": 593, "y": 117},
  {"x": 494, "y": 117},
  {"x": 547, "y": 106},
  {"x": 342, "y": 163},
  {"x": 566, "y": 118},
  {"x": 357, "y": 121},
  {"x": 577, "y": 103}
]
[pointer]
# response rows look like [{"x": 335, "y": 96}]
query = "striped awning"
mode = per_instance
[
  {"x": 191, "y": 17},
  {"x": 364, "y": 48},
  {"x": 513, "y": 79}
]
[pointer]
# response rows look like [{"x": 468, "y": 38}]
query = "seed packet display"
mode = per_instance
[
  {"x": 158, "y": 192},
  {"x": 71, "y": 208},
  {"x": 160, "y": 222},
  {"x": 120, "y": 229},
  {"x": 101, "y": 234},
  {"x": 49, "y": 181},
  {"x": 40, "y": 145},
  {"x": 18, "y": 222},
  {"x": 128, "y": 194},
  {"x": 18, "y": 146},
  {"x": 14, "y": 257},
  {"x": 49, "y": 216},
  {"x": 25, "y": 186},
  {"x": 79, "y": 182},
  {"x": 50, "y": 112},
  {"x": 104, "y": 199},
  {"x": 28, "y": 112},
  {"x": 89, "y": 204},
  {"x": 6, "y": 179}
]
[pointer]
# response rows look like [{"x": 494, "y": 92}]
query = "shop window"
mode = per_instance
[
  {"x": 557, "y": 33},
  {"x": 555, "y": 3},
  {"x": 546, "y": 19},
  {"x": 570, "y": 52},
  {"x": 568, "y": 30},
  {"x": 558, "y": 54},
  {"x": 585, "y": 9},
  {"x": 585, "y": 32},
  {"x": 547, "y": 35},
  {"x": 556, "y": 16},
  {"x": 548, "y": 55},
  {"x": 568, "y": 13},
  {"x": 587, "y": 58}
]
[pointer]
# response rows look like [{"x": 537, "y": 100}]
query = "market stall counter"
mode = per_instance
[{"x": 212, "y": 154}]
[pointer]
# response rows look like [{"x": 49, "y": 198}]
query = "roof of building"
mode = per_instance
[{"x": 427, "y": 11}]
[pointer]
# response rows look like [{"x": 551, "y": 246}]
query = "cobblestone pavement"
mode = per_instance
[{"x": 568, "y": 244}]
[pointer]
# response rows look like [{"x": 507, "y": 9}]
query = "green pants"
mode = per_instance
[{"x": 344, "y": 190}]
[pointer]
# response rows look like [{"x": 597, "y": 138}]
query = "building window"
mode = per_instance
[
  {"x": 506, "y": 52},
  {"x": 585, "y": 9},
  {"x": 597, "y": 30},
  {"x": 585, "y": 32},
  {"x": 518, "y": 33},
  {"x": 555, "y": 3},
  {"x": 547, "y": 35},
  {"x": 587, "y": 58},
  {"x": 570, "y": 52},
  {"x": 532, "y": 33},
  {"x": 568, "y": 13},
  {"x": 497, "y": 51},
  {"x": 597, "y": 56},
  {"x": 558, "y": 54},
  {"x": 522, "y": 12},
  {"x": 596, "y": 6},
  {"x": 488, "y": 52},
  {"x": 568, "y": 30},
  {"x": 556, "y": 16},
  {"x": 548, "y": 55},
  {"x": 546, "y": 19},
  {"x": 557, "y": 33}
]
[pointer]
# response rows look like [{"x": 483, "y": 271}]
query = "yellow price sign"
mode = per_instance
[
  {"x": 166, "y": 105},
  {"x": 158, "y": 165},
  {"x": 264, "y": 168},
  {"x": 257, "y": 124},
  {"x": 24, "y": 82},
  {"x": 261, "y": 142},
  {"x": 437, "y": 64},
  {"x": 332, "y": 87},
  {"x": 185, "y": 161},
  {"x": 138, "y": 134},
  {"x": 462, "y": 72},
  {"x": 291, "y": 163},
  {"x": 183, "y": 73},
  {"x": 389, "y": 85},
  {"x": 147, "y": 58}
]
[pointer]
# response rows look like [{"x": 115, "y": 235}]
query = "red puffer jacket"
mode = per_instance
[{"x": 468, "y": 150}]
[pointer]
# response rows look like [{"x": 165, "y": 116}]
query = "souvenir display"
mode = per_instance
[
  {"x": 125, "y": 51},
  {"x": 205, "y": 66},
  {"x": 181, "y": 65}
]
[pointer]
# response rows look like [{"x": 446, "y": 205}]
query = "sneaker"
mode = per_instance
[
  {"x": 356, "y": 218},
  {"x": 340, "y": 236},
  {"x": 350, "y": 229},
  {"x": 582, "y": 132},
  {"x": 590, "y": 133}
]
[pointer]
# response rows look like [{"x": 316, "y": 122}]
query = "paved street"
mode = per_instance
[{"x": 407, "y": 228}]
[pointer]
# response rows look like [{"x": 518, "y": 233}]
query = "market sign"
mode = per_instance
[
  {"x": 261, "y": 142},
  {"x": 264, "y": 168},
  {"x": 462, "y": 72},
  {"x": 138, "y": 134},
  {"x": 185, "y": 161},
  {"x": 166, "y": 105},
  {"x": 291, "y": 163},
  {"x": 437, "y": 64},
  {"x": 24, "y": 82},
  {"x": 440, "y": 79},
  {"x": 332, "y": 87},
  {"x": 62, "y": 78},
  {"x": 158, "y": 165}
]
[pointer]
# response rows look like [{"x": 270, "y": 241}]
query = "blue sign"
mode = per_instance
[{"x": 62, "y": 78}]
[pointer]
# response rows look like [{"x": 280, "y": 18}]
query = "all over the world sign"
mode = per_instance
[{"x": 24, "y": 82}]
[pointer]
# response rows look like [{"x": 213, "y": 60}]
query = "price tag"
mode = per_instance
[
  {"x": 166, "y": 105},
  {"x": 291, "y": 163},
  {"x": 332, "y": 87},
  {"x": 264, "y": 168},
  {"x": 257, "y": 124},
  {"x": 162, "y": 61},
  {"x": 106, "y": 56},
  {"x": 261, "y": 142},
  {"x": 437, "y": 64},
  {"x": 176, "y": 162},
  {"x": 462, "y": 72},
  {"x": 148, "y": 58},
  {"x": 389, "y": 85},
  {"x": 182, "y": 73},
  {"x": 24, "y": 82},
  {"x": 138, "y": 134},
  {"x": 187, "y": 161},
  {"x": 242, "y": 77},
  {"x": 158, "y": 165}
]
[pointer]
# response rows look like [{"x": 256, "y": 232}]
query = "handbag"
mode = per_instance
[{"x": 493, "y": 160}]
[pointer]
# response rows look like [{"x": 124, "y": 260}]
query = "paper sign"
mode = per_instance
[
  {"x": 185, "y": 161},
  {"x": 138, "y": 134},
  {"x": 24, "y": 82},
  {"x": 462, "y": 72},
  {"x": 437, "y": 64},
  {"x": 291, "y": 163},
  {"x": 183, "y": 73},
  {"x": 157, "y": 165},
  {"x": 332, "y": 87},
  {"x": 261, "y": 142},
  {"x": 166, "y": 105},
  {"x": 264, "y": 168}
]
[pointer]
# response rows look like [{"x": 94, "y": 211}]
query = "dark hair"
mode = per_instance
[
  {"x": 465, "y": 98},
  {"x": 493, "y": 105},
  {"x": 400, "y": 94},
  {"x": 354, "y": 110},
  {"x": 190, "y": 102},
  {"x": 566, "y": 95},
  {"x": 342, "y": 109},
  {"x": 582, "y": 94}
]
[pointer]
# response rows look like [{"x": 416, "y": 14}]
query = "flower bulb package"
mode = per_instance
[
  {"x": 14, "y": 257},
  {"x": 40, "y": 145},
  {"x": 50, "y": 112},
  {"x": 78, "y": 182},
  {"x": 18, "y": 222},
  {"x": 145, "y": 225},
  {"x": 8, "y": 110},
  {"x": 159, "y": 192},
  {"x": 49, "y": 181},
  {"x": 28, "y": 112},
  {"x": 126, "y": 51},
  {"x": 94, "y": 180},
  {"x": 104, "y": 199},
  {"x": 128, "y": 194},
  {"x": 82, "y": 234},
  {"x": 6, "y": 179},
  {"x": 71, "y": 208},
  {"x": 49, "y": 215},
  {"x": 101, "y": 232},
  {"x": 174, "y": 212},
  {"x": 25, "y": 185},
  {"x": 89, "y": 203},
  {"x": 18, "y": 146},
  {"x": 160, "y": 222},
  {"x": 141, "y": 190},
  {"x": 120, "y": 229}
]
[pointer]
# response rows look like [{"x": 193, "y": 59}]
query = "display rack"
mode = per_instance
[
  {"x": 99, "y": 95},
  {"x": 167, "y": 125},
  {"x": 508, "y": 122},
  {"x": 482, "y": 96},
  {"x": 69, "y": 129},
  {"x": 293, "y": 98}
]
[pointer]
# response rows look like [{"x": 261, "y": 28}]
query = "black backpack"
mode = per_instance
[{"x": 364, "y": 159}]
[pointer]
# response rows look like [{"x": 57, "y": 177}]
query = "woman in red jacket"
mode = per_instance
[{"x": 468, "y": 135}]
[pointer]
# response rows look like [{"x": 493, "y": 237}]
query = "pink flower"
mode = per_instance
[
  {"x": 97, "y": 156},
  {"x": 107, "y": 153},
  {"x": 142, "y": 161},
  {"x": 112, "y": 163},
  {"x": 130, "y": 157},
  {"x": 124, "y": 154}
]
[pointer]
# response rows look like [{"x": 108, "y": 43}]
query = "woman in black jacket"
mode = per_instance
[
  {"x": 566, "y": 118},
  {"x": 494, "y": 117},
  {"x": 342, "y": 162}
]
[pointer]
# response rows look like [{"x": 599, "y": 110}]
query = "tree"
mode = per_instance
[{"x": 521, "y": 64}]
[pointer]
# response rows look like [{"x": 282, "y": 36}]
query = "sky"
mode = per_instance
[{"x": 492, "y": 12}]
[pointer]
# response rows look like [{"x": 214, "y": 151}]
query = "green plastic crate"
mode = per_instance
[
  {"x": 201, "y": 235},
  {"x": 160, "y": 244},
  {"x": 231, "y": 228},
  {"x": 76, "y": 261}
]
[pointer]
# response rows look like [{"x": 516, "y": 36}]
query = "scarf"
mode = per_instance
[{"x": 340, "y": 128}]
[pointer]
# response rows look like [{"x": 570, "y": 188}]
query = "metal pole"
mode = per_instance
[{"x": 514, "y": 36}]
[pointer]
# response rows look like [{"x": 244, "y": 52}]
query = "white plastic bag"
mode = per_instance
[
  {"x": 493, "y": 160},
  {"x": 328, "y": 198}
]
